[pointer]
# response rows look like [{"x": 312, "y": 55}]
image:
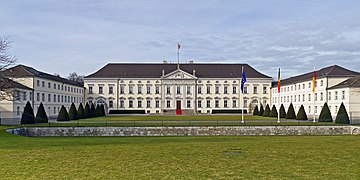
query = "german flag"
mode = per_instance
[
  {"x": 279, "y": 81},
  {"x": 314, "y": 82}
]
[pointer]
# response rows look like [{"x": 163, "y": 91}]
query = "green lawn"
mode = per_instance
[{"x": 223, "y": 157}]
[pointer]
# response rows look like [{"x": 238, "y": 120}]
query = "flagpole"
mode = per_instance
[
  {"x": 314, "y": 84},
  {"x": 178, "y": 56},
  {"x": 242, "y": 97},
  {"x": 278, "y": 121}
]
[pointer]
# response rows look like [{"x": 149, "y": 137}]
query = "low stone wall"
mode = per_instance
[{"x": 185, "y": 131}]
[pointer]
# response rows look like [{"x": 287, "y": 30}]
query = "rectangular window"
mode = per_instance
[
  {"x": 122, "y": 89},
  {"x": 303, "y": 86},
  {"x": 234, "y": 90},
  {"x": 43, "y": 83},
  {"x": 157, "y": 90},
  {"x": 131, "y": 103},
  {"x": 265, "y": 90},
  {"x": 245, "y": 90},
  {"x": 168, "y": 89},
  {"x": 54, "y": 110},
  {"x": 343, "y": 95},
  {"x": 208, "y": 89},
  {"x": 309, "y": 97},
  {"x": 225, "y": 103},
  {"x": 303, "y": 97},
  {"x": 309, "y": 85},
  {"x": 148, "y": 89},
  {"x": 255, "y": 90},
  {"x": 37, "y": 82},
  {"x": 122, "y": 104},
  {"x": 30, "y": 96},
  {"x": 49, "y": 97},
  {"x": 315, "y": 96},
  {"x": 168, "y": 103},
  {"x": 315, "y": 110},
  {"x": 188, "y": 103},
  {"x": 199, "y": 90},
  {"x": 321, "y": 96},
  {"x": 54, "y": 97},
  {"x": 148, "y": 103},
  {"x": 90, "y": 90},
  {"x": 62, "y": 98},
  {"x": 131, "y": 89},
  {"x": 329, "y": 96},
  {"x": 54, "y": 86},
  {"x": 299, "y": 98},
  {"x": 309, "y": 109},
  {"x": 336, "y": 109},
  {"x": 336, "y": 95},
  {"x": 139, "y": 103},
  {"x": 43, "y": 97},
  {"x": 199, "y": 103},
  {"x": 101, "y": 90},
  {"x": 24, "y": 96},
  {"x": 234, "y": 103},
  {"x": 208, "y": 103},
  {"x": 321, "y": 83},
  {"x": 217, "y": 91},
  {"x": 49, "y": 85},
  {"x": 139, "y": 89},
  {"x": 216, "y": 103},
  {"x": 111, "y": 89},
  {"x": 225, "y": 89},
  {"x": 157, "y": 103},
  {"x": 65, "y": 88},
  {"x": 188, "y": 90},
  {"x": 178, "y": 89}
]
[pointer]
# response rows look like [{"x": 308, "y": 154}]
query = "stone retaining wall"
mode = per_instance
[{"x": 185, "y": 131}]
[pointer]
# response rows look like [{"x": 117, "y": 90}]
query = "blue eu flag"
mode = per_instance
[{"x": 243, "y": 80}]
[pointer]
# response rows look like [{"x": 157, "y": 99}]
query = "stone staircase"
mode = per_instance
[{"x": 184, "y": 112}]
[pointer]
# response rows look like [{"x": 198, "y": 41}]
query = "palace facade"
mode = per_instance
[{"x": 176, "y": 89}]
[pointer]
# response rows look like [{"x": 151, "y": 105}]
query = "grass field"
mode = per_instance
[{"x": 224, "y": 157}]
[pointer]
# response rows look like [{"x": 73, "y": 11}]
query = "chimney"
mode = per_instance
[
  {"x": 194, "y": 72},
  {"x": 163, "y": 72},
  {"x": 165, "y": 62},
  {"x": 191, "y": 62}
]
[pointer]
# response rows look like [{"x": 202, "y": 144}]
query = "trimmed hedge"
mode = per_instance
[
  {"x": 73, "y": 115},
  {"x": 81, "y": 112},
  {"x": 92, "y": 110},
  {"x": 273, "y": 112},
  {"x": 342, "y": 116},
  {"x": 282, "y": 111},
  {"x": 301, "y": 115},
  {"x": 41, "y": 116},
  {"x": 103, "y": 113},
  {"x": 261, "y": 112},
  {"x": 98, "y": 111},
  {"x": 87, "y": 111},
  {"x": 63, "y": 114},
  {"x": 256, "y": 110},
  {"x": 291, "y": 112},
  {"x": 267, "y": 111},
  {"x": 28, "y": 115},
  {"x": 325, "y": 114}
]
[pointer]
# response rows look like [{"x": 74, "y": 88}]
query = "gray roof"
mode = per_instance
[
  {"x": 6, "y": 83},
  {"x": 351, "y": 82},
  {"x": 331, "y": 71},
  {"x": 147, "y": 70},
  {"x": 25, "y": 71}
]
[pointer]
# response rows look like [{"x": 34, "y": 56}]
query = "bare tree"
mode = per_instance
[
  {"x": 75, "y": 77},
  {"x": 6, "y": 61}
]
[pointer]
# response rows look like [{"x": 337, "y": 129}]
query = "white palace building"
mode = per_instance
[
  {"x": 176, "y": 88},
  {"x": 334, "y": 85}
]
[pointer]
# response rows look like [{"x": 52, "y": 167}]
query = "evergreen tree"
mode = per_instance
[
  {"x": 301, "y": 115},
  {"x": 98, "y": 111},
  {"x": 291, "y": 112},
  {"x": 282, "y": 111},
  {"x": 261, "y": 112},
  {"x": 256, "y": 110},
  {"x": 273, "y": 112},
  {"x": 103, "y": 113},
  {"x": 41, "y": 116},
  {"x": 81, "y": 113},
  {"x": 342, "y": 116},
  {"x": 28, "y": 115},
  {"x": 92, "y": 110},
  {"x": 325, "y": 114},
  {"x": 87, "y": 111},
  {"x": 63, "y": 114},
  {"x": 73, "y": 115},
  {"x": 267, "y": 111}
]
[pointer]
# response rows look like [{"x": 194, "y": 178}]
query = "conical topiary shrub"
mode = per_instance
[
  {"x": 256, "y": 110},
  {"x": 87, "y": 113},
  {"x": 273, "y": 112},
  {"x": 98, "y": 110},
  {"x": 325, "y": 114},
  {"x": 267, "y": 111},
  {"x": 291, "y": 112},
  {"x": 73, "y": 112},
  {"x": 103, "y": 113},
  {"x": 41, "y": 116},
  {"x": 342, "y": 116},
  {"x": 28, "y": 115},
  {"x": 282, "y": 111},
  {"x": 261, "y": 111},
  {"x": 92, "y": 110},
  {"x": 63, "y": 114},
  {"x": 301, "y": 115},
  {"x": 80, "y": 112}
]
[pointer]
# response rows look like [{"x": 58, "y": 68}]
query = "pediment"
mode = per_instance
[{"x": 179, "y": 74}]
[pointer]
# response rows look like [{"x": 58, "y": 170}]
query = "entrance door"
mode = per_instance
[{"x": 178, "y": 108}]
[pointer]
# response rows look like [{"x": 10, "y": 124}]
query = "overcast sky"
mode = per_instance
[{"x": 83, "y": 35}]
